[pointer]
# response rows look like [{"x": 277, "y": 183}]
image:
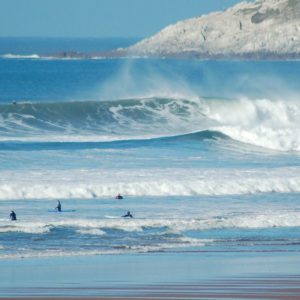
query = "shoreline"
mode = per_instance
[
  {"x": 154, "y": 276},
  {"x": 124, "y": 54}
]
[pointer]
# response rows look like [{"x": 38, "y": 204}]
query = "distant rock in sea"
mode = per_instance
[{"x": 264, "y": 29}]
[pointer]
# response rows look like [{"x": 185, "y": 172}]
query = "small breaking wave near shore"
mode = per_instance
[
  {"x": 167, "y": 226},
  {"x": 120, "y": 236}
]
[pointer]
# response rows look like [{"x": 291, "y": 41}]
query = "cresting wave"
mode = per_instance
[
  {"x": 265, "y": 123},
  {"x": 97, "y": 121}
]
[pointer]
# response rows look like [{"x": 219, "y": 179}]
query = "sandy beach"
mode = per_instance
[
  {"x": 273, "y": 287},
  {"x": 153, "y": 276}
]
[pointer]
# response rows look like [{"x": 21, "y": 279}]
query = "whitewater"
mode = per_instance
[
  {"x": 260, "y": 122},
  {"x": 206, "y": 155}
]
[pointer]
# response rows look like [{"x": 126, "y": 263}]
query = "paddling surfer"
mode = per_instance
[
  {"x": 119, "y": 197},
  {"x": 128, "y": 215}
]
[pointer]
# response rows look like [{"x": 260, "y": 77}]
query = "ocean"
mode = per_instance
[{"x": 205, "y": 154}]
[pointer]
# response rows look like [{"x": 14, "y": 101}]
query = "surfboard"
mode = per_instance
[
  {"x": 112, "y": 217},
  {"x": 118, "y": 217},
  {"x": 63, "y": 211}
]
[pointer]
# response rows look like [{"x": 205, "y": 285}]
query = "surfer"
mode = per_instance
[
  {"x": 13, "y": 216},
  {"x": 128, "y": 215},
  {"x": 119, "y": 196},
  {"x": 58, "y": 207}
]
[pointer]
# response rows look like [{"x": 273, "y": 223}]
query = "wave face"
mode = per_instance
[
  {"x": 96, "y": 121},
  {"x": 265, "y": 123}
]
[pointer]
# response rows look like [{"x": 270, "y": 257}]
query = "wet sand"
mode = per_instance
[
  {"x": 273, "y": 287},
  {"x": 154, "y": 276}
]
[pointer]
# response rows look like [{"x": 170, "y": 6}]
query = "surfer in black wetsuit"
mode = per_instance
[
  {"x": 128, "y": 215},
  {"x": 119, "y": 197},
  {"x": 13, "y": 216},
  {"x": 58, "y": 207}
]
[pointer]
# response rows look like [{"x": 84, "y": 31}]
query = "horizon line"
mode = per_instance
[{"x": 71, "y": 37}]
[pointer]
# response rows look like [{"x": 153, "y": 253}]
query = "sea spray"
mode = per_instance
[{"x": 261, "y": 122}]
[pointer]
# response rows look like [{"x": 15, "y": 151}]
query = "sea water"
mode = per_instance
[{"x": 205, "y": 154}]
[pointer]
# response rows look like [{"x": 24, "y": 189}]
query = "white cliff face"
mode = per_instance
[{"x": 263, "y": 26}]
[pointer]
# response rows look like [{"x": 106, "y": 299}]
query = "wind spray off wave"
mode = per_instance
[{"x": 266, "y": 123}]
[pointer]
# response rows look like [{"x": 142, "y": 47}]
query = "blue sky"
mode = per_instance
[{"x": 98, "y": 18}]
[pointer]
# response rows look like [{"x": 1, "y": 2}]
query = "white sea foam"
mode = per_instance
[
  {"x": 59, "y": 253},
  {"x": 265, "y": 123},
  {"x": 176, "y": 225},
  {"x": 87, "y": 184},
  {"x": 91, "y": 231},
  {"x": 170, "y": 233},
  {"x": 24, "y": 227}
]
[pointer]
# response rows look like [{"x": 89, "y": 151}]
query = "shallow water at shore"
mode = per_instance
[
  {"x": 161, "y": 276},
  {"x": 242, "y": 223}
]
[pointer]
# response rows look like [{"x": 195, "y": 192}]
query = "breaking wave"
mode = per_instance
[
  {"x": 139, "y": 183},
  {"x": 262, "y": 122},
  {"x": 100, "y": 227},
  {"x": 167, "y": 234}
]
